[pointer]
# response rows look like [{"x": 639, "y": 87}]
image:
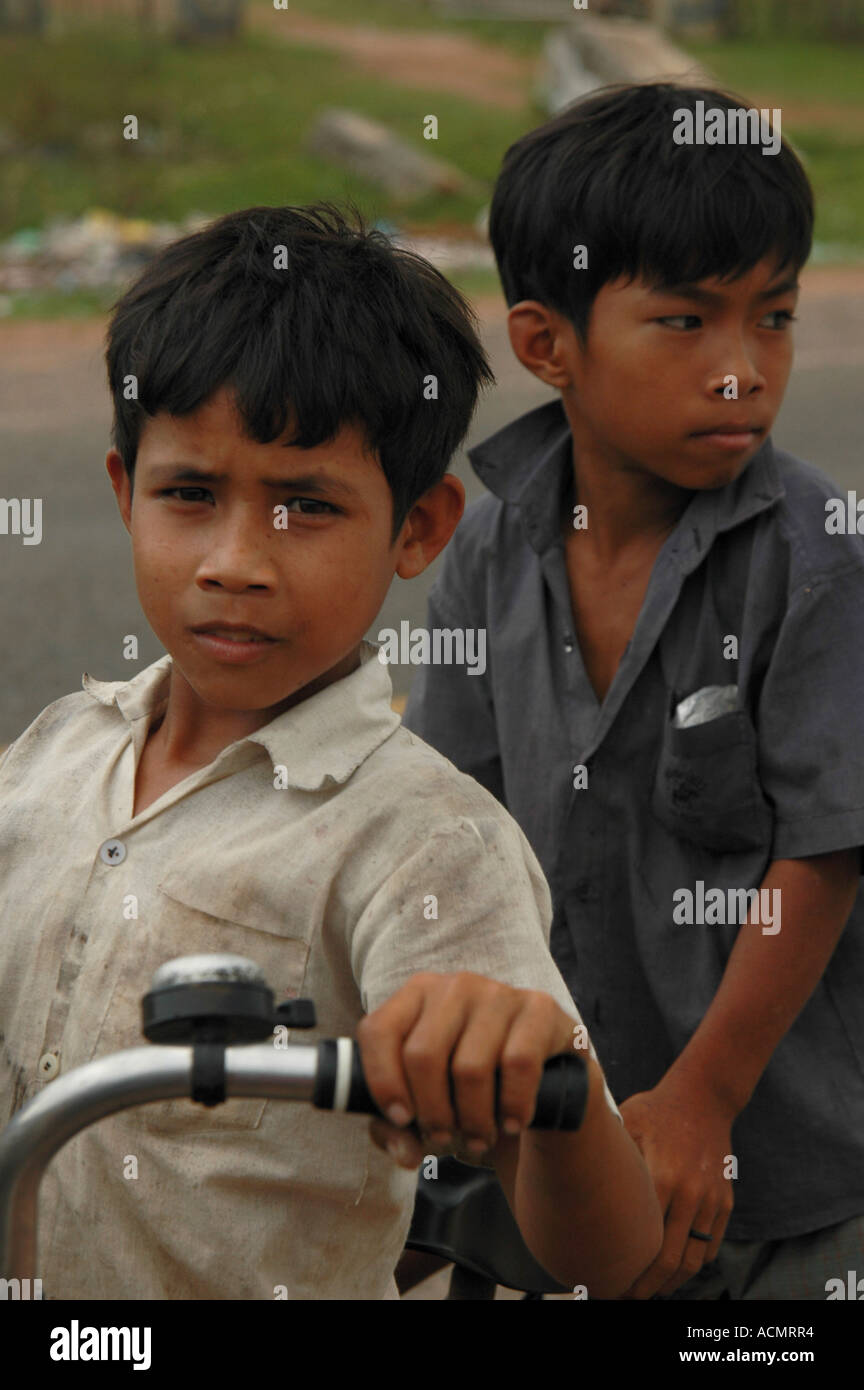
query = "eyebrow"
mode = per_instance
[
  {"x": 321, "y": 483},
  {"x": 688, "y": 291}
]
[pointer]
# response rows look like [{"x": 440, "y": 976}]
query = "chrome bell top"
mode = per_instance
[{"x": 219, "y": 968}]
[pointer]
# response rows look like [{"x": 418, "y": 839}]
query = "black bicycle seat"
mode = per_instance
[{"x": 463, "y": 1216}]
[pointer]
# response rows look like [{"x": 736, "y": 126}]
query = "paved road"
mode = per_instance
[{"x": 66, "y": 604}]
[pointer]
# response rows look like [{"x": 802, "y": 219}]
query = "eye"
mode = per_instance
[
  {"x": 679, "y": 318},
  {"x": 313, "y": 502},
  {"x": 171, "y": 491},
  {"x": 783, "y": 314}
]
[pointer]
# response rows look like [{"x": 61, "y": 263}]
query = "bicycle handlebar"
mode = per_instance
[
  {"x": 211, "y": 1003},
  {"x": 328, "y": 1074},
  {"x": 341, "y": 1085},
  {"x": 212, "y": 1000}
]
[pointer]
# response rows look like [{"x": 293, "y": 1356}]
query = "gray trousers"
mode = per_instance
[{"x": 798, "y": 1267}]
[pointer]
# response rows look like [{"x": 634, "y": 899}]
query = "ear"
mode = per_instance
[
  {"x": 543, "y": 341},
  {"x": 121, "y": 485},
  {"x": 429, "y": 526}
]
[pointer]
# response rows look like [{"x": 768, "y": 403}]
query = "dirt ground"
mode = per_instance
[
  {"x": 483, "y": 72},
  {"x": 837, "y": 116},
  {"x": 465, "y": 66}
]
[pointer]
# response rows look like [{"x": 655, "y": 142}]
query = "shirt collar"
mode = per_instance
[
  {"x": 529, "y": 463},
  {"x": 324, "y": 738}
]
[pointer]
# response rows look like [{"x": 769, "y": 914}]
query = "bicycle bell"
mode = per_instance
[{"x": 216, "y": 998}]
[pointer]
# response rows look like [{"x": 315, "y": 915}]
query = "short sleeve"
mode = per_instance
[
  {"x": 472, "y": 897},
  {"x": 449, "y": 706},
  {"x": 811, "y": 720}
]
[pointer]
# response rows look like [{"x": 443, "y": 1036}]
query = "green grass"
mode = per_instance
[
  {"x": 95, "y": 303},
  {"x": 220, "y": 127},
  {"x": 477, "y": 282},
  {"x": 797, "y": 72},
  {"x": 790, "y": 69},
  {"x": 56, "y": 304}
]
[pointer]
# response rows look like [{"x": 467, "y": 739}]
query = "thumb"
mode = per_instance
[
  {"x": 402, "y": 1145},
  {"x": 630, "y": 1116}
]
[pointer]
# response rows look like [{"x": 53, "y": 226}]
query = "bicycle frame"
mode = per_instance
[
  {"x": 134, "y": 1077},
  {"x": 208, "y": 1015}
]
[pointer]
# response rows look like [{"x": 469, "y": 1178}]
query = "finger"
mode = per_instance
[
  {"x": 721, "y": 1221},
  {"x": 477, "y": 1054},
  {"x": 427, "y": 1054},
  {"x": 402, "y": 1146},
  {"x": 643, "y": 1286},
  {"x": 709, "y": 1219},
  {"x": 665, "y": 1267},
  {"x": 533, "y": 1037},
  {"x": 380, "y": 1037},
  {"x": 650, "y": 1279}
]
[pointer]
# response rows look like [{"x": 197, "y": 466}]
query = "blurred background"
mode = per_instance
[{"x": 125, "y": 122}]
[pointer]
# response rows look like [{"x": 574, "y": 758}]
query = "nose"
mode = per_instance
[
  {"x": 736, "y": 373},
  {"x": 238, "y": 556}
]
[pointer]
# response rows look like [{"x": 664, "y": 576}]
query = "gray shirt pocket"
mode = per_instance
[{"x": 706, "y": 788}]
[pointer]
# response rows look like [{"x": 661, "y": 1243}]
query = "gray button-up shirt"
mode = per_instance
[{"x": 779, "y": 775}]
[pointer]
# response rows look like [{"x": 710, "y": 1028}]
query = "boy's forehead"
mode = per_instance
[
  {"x": 217, "y": 415},
  {"x": 753, "y": 280},
  {"x": 216, "y": 435}
]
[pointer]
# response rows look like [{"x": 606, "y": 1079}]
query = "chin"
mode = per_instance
[
  {"x": 719, "y": 480},
  {"x": 708, "y": 478},
  {"x": 233, "y": 688}
]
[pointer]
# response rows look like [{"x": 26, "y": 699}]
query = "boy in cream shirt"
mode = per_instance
[{"x": 252, "y": 791}]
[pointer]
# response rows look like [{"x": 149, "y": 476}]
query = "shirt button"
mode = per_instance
[
  {"x": 582, "y": 889},
  {"x": 49, "y": 1066},
  {"x": 112, "y": 852}
]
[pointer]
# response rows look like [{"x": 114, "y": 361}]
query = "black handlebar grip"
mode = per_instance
[{"x": 341, "y": 1085}]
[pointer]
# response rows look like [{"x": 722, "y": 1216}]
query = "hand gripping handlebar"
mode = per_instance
[{"x": 211, "y": 1016}]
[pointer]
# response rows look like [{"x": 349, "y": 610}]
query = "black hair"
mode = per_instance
[
  {"x": 345, "y": 334},
  {"x": 606, "y": 174}
]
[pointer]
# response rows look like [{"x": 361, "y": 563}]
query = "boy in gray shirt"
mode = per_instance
[{"x": 673, "y": 705}]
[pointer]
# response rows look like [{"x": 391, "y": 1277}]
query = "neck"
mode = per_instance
[{"x": 627, "y": 508}]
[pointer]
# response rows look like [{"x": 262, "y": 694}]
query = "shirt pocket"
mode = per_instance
[
  {"x": 192, "y": 914},
  {"x": 707, "y": 790}
]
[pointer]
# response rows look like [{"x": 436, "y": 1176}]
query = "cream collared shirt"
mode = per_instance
[{"x": 326, "y": 883}]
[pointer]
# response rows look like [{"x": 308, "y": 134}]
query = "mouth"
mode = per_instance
[
  {"x": 729, "y": 436},
  {"x": 234, "y": 644},
  {"x": 233, "y": 632}
]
